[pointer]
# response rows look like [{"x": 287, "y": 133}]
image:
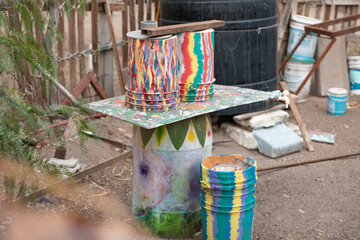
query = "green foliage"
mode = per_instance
[{"x": 21, "y": 120}]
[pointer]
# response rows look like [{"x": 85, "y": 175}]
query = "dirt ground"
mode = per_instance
[{"x": 317, "y": 201}]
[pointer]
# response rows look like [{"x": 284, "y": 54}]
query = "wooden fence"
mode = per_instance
[{"x": 76, "y": 56}]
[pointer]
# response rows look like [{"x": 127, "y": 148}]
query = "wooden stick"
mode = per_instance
[
  {"x": 78, "y": 89},
  {"x": 63, "y": 183},
  {"x": 97, "y": 86},
  {"x": 298, "y": 119},
  {"x": 307, "y": 162},
  {"x": 195, "y": 26},
  {"x": 94, "y": 35},
  {"x": 116, "y": 53}
]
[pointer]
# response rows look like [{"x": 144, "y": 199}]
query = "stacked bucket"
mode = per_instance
[
  {"x": 354, "y": 74},
  {"x": 303, "y": 60},
  {"x": 153, "y": 84},
  {"x": 196, "y": 65},
  {"x": 227, "y": 196}
]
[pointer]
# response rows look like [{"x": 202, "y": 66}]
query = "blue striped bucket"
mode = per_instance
[
  {"x": 337, "y": 101},
  {"x": 227, "y": 196},
  {"x": 354, "y": 77}
]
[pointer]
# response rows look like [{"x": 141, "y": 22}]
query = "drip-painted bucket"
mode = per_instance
[
  {"x": 152, "y": 69},
  {"x": 306, "y": 50},
  {"x": 227, "y": 196},
  {"x": 196, "y": 63},
  {"x": 166, "y": 168},
  {"x": 294, "y": 74},
  {"x": 337, "y": 101}
]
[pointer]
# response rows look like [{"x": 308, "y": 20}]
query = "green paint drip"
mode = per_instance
[
  {"x": 200, "y": 58},
  {"x": 160, "y": 134},
  {"x": 171, "y": 224},
  {"x": 180, "y": 185}
]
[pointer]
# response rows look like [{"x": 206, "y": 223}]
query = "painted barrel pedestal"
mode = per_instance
[{"x": 166, "y": 187}]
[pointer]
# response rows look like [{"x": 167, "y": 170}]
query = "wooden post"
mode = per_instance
[
  {"x": 61, "y": 54},
  {"x": 116, "y": 53},
  {"x": 132, "y": 15},
  {"x": 106, "y": 58},
  {"x": 72, "y": 48},
  {"x": 124, "y": 31},
  {"x": 81, "y": 45},
  {"x": 148, "y": 10},
  {"x": 94, "y": 35},
  {"x": 140, "y": 11}
]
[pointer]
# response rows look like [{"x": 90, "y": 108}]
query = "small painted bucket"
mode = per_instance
[
  {"x": 227, "y": 196},
  {"x": 337, "y": 101}
]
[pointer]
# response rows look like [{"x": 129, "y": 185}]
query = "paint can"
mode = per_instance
[
  {"x": 196, "y": 62},
  {"x": 166, "y": 168},
  {"x": 306, "y": 50},
  {"x": 295, "y": 73},
  {"x": 337, "y": 101},
  {"x": 227, "y": 196},
  {"x": 354, "y": 74},
  {"x": 152, "y": 70}
]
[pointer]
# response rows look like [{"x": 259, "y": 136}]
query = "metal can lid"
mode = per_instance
[
  {"x": 137, "y": 35},
  {"x": 338, "y": 91}
]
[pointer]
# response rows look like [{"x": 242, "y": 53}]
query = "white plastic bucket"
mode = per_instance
[
  {"x": 337, "y": 101},
  {"x": 353, "y": 62},
  {"x": 306, "y": 50},
  {"x": 294, "y": 75},
  {"x": 354, "y": 77}
]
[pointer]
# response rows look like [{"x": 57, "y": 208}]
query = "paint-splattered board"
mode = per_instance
[{"x": 224, "y": 97}]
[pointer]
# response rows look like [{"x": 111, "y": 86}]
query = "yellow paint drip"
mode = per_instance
[
  {"x": 208, "y": 200},
  {"x": 234, "y": 217},
  {"x": 193, "y": 57},
  {"x": 191, "y": 135}
]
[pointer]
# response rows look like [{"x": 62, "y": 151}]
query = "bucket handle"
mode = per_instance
[{"x": 306, "y": 4}]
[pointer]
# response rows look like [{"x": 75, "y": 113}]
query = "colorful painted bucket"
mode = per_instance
[
  {"x": 227, "y": 196},
  {"x": 152, "y": 64},
  {"x": 196, "y": 57},
  {"x": 197, "y": 92},
  {"x": 196, "y": 86},
  {"x": 306, "y": 50},
  {"x": 337, "y": 101},
  {"x": 166, "y": 167}
]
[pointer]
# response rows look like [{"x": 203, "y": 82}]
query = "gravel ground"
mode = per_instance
[{"x": 317, "y": 201}]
